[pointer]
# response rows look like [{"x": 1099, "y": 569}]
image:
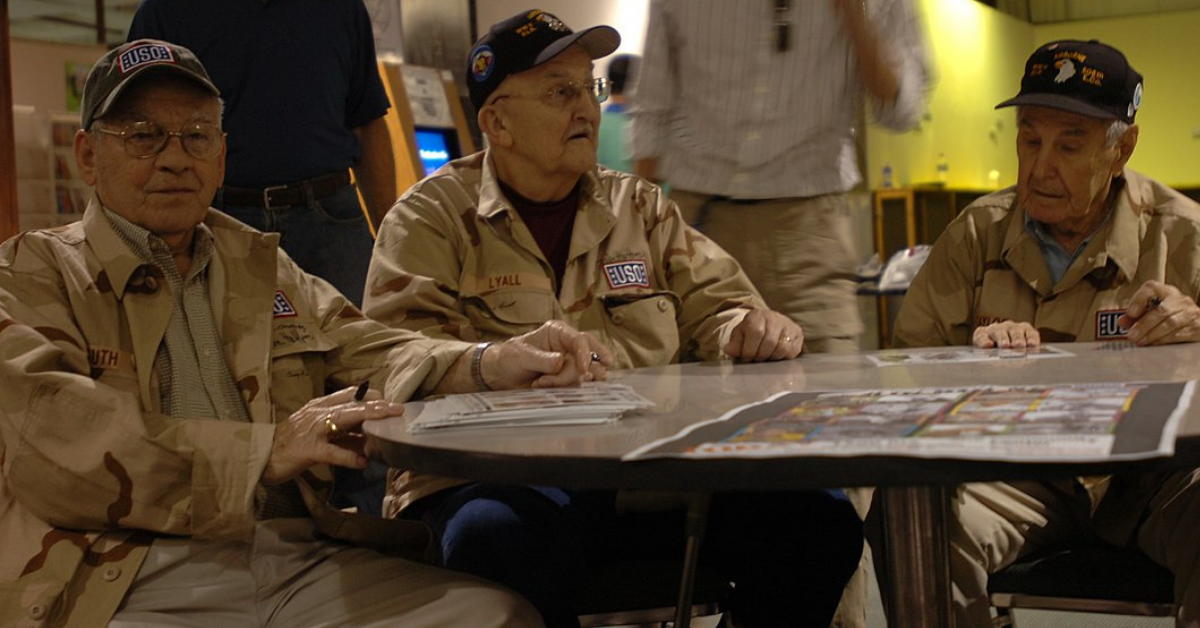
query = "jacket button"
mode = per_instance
[
  {"x": 112, "y": 573},
  {"x": 37, "y": 611},
  {"x": 618, "y": 319},
  {"x": 662, "y": 305}
]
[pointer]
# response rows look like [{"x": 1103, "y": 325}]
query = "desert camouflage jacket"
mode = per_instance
[
  {"x": 986, "y": 267},
  {"x": 93, "y": 470},
  {"x": 454, "y": 260}
]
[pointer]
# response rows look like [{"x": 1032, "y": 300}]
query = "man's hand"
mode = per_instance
[
  {"x": 1159, "y": 314},
  {"x": 325, "y": 431},
  {"x": 554, "y": 354},
  {"x": 765, "y": 335},
  {"x": 1006, "y": 335}
]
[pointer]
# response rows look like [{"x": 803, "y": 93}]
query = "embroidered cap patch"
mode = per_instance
[{"x": 138, "y": 56}]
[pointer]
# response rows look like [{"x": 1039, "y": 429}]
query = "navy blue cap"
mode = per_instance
[
  {"x": 1084, "y": 77},
  {"x": 525, "y": 41}
]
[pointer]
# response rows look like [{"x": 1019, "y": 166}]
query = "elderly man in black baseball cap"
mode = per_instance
[
  {"x": 1081, "y": 249},
  {"x": 532, "y": 229}
]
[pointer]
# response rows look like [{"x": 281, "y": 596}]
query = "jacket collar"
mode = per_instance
[
  {"x": 493, "y": 203},
  {"x": 1118, "y": 239},
  {"x": 120, "y": 263}
]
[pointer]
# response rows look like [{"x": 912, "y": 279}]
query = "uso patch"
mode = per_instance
[
  {"x": 1107, "y": 327},
  {"x": 627, "y": 274},
  {"x": 144, "y": 54},
  {"x": 282, "y": 307}
]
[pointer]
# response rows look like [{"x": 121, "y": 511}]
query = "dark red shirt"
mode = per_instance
[{"x": 551, "y": 224}]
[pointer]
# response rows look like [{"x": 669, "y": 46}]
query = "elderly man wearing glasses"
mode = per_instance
[
  {"x": 165, "y": 462},
  {"x": 532, "y": 229}
]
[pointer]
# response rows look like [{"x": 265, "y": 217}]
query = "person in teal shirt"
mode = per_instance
[{"x": 613, "y": 152}]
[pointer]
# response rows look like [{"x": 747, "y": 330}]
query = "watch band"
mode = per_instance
[{"x": 477, "y": 366}]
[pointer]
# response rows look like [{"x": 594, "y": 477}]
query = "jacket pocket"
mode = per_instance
[
  {"x": 298, "y": 349},
  {"x": 503, "y": 314},
  {"x": 30, "y": 604},
  {"x": 644, "y": 327}
]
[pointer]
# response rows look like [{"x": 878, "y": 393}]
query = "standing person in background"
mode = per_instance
[
  {"x": 304, "y": 103},
  {"x": 613, "y": 151},
  {"x": 748, "y": 110}
]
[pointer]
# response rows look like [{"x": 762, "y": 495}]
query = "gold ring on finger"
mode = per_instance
[
  {"x": 787, "y": 338},
  {"x": 332, "y": 431}
]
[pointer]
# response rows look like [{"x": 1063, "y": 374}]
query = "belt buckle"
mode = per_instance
[{"x": 267, "y": 194}]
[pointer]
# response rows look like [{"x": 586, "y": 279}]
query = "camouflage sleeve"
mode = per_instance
[
  {"x": 714, "y": 292},
  {"x": 938, "y": 308},
  {"x": 400, "y": 362},
  {"x": 413, "y": 281},
  {"x": 80, "y": 450}
]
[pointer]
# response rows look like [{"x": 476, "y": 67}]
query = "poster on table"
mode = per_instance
[{"x": 1059, "y": 423}]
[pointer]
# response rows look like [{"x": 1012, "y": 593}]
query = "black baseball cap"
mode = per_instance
[
  {"x": 525, "y": 41},
  {"x": 118, "y": 69},
  {"x": 1084, "y": 77}
]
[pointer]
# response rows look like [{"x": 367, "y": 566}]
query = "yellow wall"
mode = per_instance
[
  {"x": 978, "y": 57},
  {"x": 1165, "y": 48}
]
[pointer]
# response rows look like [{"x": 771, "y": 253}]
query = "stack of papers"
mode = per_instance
[{"x": 588, "y": 404}]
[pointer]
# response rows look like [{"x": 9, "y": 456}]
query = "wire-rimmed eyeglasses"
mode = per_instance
[
  {"x": 564, "y": 94},
  {"x": 144, "y": 140}
]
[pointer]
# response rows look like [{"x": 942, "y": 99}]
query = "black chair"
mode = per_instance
[
  {"x": 654, "y": 592},
  {"x": 1094, "y": 579}
]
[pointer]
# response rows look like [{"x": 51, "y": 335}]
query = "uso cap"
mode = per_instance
[
  {"x": 117, "y": 69},
  {"x": 525, "y": 41},
  {"x": 1084, "y": 77}
]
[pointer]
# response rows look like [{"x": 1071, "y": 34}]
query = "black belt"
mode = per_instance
[
  {"x": 739, "y": 201},
  {"x": 299, "y": 193}
]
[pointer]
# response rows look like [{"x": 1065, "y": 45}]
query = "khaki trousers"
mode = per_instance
[
  {"x": 286, "y": 577},
  {"x": 798, "y": 252},
  {"x": 998, "y": 523}
]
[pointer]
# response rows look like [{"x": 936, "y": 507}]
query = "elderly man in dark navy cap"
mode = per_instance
[
  {"x": 531, "y": 229},
  {"x": 1082, "y": 249}
]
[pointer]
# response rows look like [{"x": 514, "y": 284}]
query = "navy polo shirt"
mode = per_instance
[{"x": 297, "y": 76}]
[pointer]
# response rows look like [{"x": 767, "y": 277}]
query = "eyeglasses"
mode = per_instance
[
  {"x": 782, "y": 27},
  {"x": 564, "y": 94},
  {"x": 144, "y": 140}
]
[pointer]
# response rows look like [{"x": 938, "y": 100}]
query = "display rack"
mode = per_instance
[
  {"x": 50, "y": 191},
  {"x": 904, "y": 218}
]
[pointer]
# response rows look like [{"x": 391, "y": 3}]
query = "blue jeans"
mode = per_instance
[
  {"x": 790, "y": 554},
  {"x": 329, "y": 238}
]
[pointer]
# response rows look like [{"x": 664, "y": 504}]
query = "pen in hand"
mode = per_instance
[{"x": 361, "y": 392}]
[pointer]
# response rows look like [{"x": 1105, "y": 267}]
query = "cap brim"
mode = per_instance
[
  {"x": 1056, "y": 101},
  {"x": 108, "y": 102},
  {"x": 597, "y": 41}
]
